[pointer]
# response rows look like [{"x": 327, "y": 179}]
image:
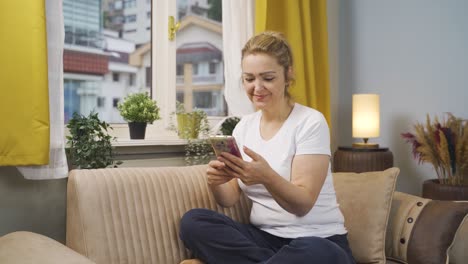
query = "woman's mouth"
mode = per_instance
[{"x": 260, "y": 97}]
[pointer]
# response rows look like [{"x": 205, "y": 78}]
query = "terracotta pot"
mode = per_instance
[{"x": 432, "y": 189}]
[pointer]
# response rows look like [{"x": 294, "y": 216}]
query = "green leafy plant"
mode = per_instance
[
  {"x": 89, "y": 143},
  {"x": 195, "y": 128},
  {"x": 228, "y": 125},
  {"x": 139, "y": 107},
  {"x": 444, "y": 145}
]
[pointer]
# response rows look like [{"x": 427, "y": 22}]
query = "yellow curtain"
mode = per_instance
[
  {"x": 24, "y": 99},
  {"x": 304, "y": 23}
]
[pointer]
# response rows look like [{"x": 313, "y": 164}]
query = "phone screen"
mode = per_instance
[{"x": 225, "y": 144}]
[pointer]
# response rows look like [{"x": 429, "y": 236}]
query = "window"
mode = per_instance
[
  {"x": 131, "y": 79},
  {"x": 115, "y": 76},
  {"x": 101, "y": 101},
  {"x": 116, "y": 5},
  {"x": 102, "y": 51},
  {"x": 203, "y": 99},
  {"x": 130, "y": 18},
  {"x": 202, "y": 86},
  {"x": 96, "y": 58},
  {"x": 180, "y": 69},
  {"x": 212, "y": 67},
  {"x": 115, "y": 102},
  {"x": 129, "y": 3}
]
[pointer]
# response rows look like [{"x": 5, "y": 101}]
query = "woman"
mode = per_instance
[{"x": 285, "y": 171}]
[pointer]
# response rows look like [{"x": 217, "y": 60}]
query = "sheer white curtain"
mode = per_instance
[
  {"x": 57, "y": 167},
  {"x": 238, "y": 27}
]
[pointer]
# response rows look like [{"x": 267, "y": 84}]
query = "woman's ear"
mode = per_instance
[{"x": 290, "y": 76}]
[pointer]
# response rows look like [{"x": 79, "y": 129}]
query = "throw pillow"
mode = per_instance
[
  {"x": 423, "y": 230},
  {"x": 365, "y": 200}
]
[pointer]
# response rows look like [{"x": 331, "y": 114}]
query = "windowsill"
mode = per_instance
[
  {"x": 159, "y": 142},
  {"x": 126, "y": 142}
]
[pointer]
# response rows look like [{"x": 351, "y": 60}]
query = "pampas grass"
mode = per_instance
[{"x": 444, "y": 145}]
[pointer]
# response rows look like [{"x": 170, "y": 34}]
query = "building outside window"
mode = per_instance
[
  {"x": 105, "y": 59},
  {"x": 212, "y": 68},
  {"x": 101, "y": 101},
  {"x": 130, "y": 18}
]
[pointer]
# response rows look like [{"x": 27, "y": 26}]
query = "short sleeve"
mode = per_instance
[
  {"x": 239, "y": 132},
  {"x": 313, "y": 136}
]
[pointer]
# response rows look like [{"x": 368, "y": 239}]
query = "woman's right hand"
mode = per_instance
[{"x": 216, "y": 173}]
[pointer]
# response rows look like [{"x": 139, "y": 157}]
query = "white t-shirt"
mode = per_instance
[{"x": 305, "y": 131}]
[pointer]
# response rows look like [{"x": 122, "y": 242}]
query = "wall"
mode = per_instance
[
  {"x": 28, "y": 205},
  {"x": 414, "y": 54}
]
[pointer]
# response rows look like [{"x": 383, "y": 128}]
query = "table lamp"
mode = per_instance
[{"x": 366, "y": 119}]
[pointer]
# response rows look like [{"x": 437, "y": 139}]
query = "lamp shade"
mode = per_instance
[{"x": 366, "y": 115}]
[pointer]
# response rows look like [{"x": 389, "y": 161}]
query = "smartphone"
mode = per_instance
[{"x": 225, "y": 144}]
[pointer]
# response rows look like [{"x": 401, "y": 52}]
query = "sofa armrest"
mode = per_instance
[
  {"x": 28, "y": 248},
  {"x": 425, "y": 231},
  {"x": 459, "y": 250}
]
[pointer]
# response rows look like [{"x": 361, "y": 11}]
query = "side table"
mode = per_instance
[{"x": 348, "y": 159}]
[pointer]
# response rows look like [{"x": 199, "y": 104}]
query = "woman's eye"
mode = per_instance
[
  {"x": 248, "y": 79},
  {"x": 269, "y": 79}
]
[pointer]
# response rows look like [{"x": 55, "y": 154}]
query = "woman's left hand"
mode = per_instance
[{"x": 258, "y": 171}]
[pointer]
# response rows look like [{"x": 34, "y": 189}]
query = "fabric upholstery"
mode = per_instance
[
  {"x": 458, "y": 252},
  {"x": 28, "y": 248},
  {"x": 131, "y": 215},
  {"x": 405, "y": 210},
  {"x": 427, "y": 231},
  {"x": 365, "y": 200}
]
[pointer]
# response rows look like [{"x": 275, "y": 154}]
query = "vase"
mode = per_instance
[
  {"x": 432, "y": 189},
  {"x": 137, "y": 130},
  {"x": 188, "y": 125}
]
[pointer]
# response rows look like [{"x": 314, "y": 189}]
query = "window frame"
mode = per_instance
[{"x": 163, "y": 88}]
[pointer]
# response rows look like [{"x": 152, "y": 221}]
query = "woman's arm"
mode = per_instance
[
  {"x": 225, "y": 188},
  {"x": 308, "y": 175},
  {"x": 297, "y": 196}
]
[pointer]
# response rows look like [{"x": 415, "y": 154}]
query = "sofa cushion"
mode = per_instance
[
  {"x": 409, "y": 242},
  {"x": 365, "y": 201}
]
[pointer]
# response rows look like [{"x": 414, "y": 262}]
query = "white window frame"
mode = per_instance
[{"x": 163, "y": 88}]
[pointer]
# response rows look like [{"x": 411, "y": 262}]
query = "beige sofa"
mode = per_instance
[{"x": 131, "y": 215}]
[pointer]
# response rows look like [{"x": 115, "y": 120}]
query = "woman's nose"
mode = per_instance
[{"x": 258, "y": 85}]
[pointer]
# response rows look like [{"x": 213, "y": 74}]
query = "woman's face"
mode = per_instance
[{"x": 263, "y": 80}]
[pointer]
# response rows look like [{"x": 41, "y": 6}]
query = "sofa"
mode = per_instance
[{"x": 131, "y": 215}]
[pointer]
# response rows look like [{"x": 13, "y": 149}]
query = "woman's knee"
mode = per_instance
[
  {"x": 320, "y": 249},
  {"x": 192, "y": 221}
]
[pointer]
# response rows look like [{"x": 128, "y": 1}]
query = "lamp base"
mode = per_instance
[{"x": 365, "y": 145}]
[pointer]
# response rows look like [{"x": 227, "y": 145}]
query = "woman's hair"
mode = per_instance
[{"x": 273, "y": 44}]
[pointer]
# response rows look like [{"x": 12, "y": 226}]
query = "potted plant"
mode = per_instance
[
  {"x": 194, "y": 127},
  {"x": 190, "y": 124},
  {"x": 138, "y": 110},
  {"x": 89, "y": 143},
  {"x": 228, "y": 125},
  {"x": 445, "y": 145}
]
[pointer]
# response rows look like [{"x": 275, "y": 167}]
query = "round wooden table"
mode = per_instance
[{"x": 348, "y": 159}]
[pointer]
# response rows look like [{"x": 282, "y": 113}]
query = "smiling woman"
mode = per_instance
[{"x": 284, "y": 170}]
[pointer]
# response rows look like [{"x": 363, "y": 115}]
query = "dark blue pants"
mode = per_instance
[{"x": 215, "y": 238}]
